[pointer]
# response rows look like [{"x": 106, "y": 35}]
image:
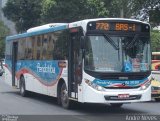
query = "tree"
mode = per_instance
[
  {"x": 72, "y": 10},
  {"x": 4, "y": 31},
  {"x": 155, "y": 40},
  {"x": 154, "y": 16},
  {"x": 25, "y": 13},
  {"x": 30, "y": 13},
  {"x": 139, "y": 9},
  {"x": 118, "y": 8},
  {"x": 147, "y": 9}
]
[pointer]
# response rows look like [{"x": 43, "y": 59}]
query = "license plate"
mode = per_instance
[{"x": 123, "y": 96}]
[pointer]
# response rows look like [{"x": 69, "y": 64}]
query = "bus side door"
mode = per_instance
[
  {"x": 75, "y": 63},
  {"x": 14, "y": 62}
]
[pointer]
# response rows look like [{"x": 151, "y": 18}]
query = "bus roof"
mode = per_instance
[
  {"x": 46, "y": 26},
  {"x": 155, "y": 53},
  {"x": 37, "y": 31},
  {"x": 78, "y": 23},
  {"x": 61, "y": 26}
]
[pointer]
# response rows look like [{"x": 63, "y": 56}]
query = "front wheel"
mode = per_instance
[
  {"x": 23, "y": 91},
  {"x": 116, "y": 105},
  {"x": 65, "y": 102}
]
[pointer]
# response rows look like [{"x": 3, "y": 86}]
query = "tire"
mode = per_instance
[
  {"x": 64, "y": 99},
  {"x": 157, "y": 99},
  {"x": 23, "y": 91},
  {"x": 116, "y": 105}
]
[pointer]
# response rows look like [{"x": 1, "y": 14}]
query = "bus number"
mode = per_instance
[{"x": 102, "y": 26}]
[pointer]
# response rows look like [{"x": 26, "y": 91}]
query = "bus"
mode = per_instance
[
  {"x": 155, "y": 83},
  {"x": 103, "y": 61}
]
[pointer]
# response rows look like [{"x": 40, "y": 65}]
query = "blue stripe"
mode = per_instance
[
  {"x": 37, "y": 32},
  {"x": 107, "y": 83}
]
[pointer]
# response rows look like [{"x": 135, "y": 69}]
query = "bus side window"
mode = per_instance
[
  {"x": 28, "y": 49},
  {"x": 154, "y": 57},
  {"x": 50, "y": 47},
  {"x": 21, "y": 49},
  {"x": 158, "y": 57},
  {"x": 60, "y": 51},
  {"x": 44, "y": 48},
  {"x": 34, "y": 47},
  {"x": 38, "y": 47}
]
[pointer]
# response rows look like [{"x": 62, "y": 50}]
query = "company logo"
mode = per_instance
[{"x": 45, "y": 69}]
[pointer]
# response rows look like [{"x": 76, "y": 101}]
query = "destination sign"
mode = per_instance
[{"x": 118, "y": 26}]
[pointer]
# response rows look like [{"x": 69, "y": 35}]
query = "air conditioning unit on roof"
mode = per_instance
[{"x": 46, "y": 26}]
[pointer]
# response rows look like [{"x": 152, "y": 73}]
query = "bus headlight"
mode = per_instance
[
  {"x": 94, "y": 86},
  {"x": 145, "y": 85}
]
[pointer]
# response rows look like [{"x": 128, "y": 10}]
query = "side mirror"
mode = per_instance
[{"x": 82, "y": 41}]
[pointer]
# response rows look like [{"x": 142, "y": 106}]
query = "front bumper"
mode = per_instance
[{"x": 111, "y": 95}]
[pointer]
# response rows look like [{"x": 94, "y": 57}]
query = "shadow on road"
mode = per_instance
[{"x": 88, "y": 109}]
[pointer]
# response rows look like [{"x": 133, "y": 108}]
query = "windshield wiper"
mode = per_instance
[
  {"x": 132, "y": 42},
  {"x": 111, "y": 41}
]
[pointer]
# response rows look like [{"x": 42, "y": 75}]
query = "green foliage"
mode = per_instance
[
  {"x": 30, "y": 13},
  {"x": 155, "y": 40},
  {"x": 152, "y": 8},
  {"x": 154, "y": 16},
  {"x": 140, "y": 4},
  {"x": 98, "y": 7},
  {"x": 118, "y": 8},
  {"x": 128, "y": 7},
  {"x": 25, "y": 13},
  {"x": 72, "y": 10},
  {"x": 4, "y": 31}
]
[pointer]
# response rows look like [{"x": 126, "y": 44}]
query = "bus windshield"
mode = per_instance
[{"x": 106, "y": 53}]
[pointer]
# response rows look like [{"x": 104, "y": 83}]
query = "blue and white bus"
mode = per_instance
[{"x": 105, "y": 60}]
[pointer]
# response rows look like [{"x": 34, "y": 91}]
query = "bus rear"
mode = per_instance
[{"x": 117, "y": 62}]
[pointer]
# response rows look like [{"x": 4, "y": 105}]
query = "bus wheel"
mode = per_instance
[
  {"x": 116, "y": 105},
  {"x": 65, "y": 102},
  {"x": 23, "y": 91},
  {"x": 157, "y": 99}
]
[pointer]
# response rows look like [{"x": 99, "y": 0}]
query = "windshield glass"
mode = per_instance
[{"x": 106, "y": 53}]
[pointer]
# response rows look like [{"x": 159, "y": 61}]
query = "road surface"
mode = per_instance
[{"x": 11, "y": 103}]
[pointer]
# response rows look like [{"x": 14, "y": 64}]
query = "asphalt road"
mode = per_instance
[{"x": 11, "y": 103}]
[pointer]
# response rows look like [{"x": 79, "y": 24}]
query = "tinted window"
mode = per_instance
[{"x": 44, "y": 47}]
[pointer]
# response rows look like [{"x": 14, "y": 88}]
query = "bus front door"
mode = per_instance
[{"x": 14, "y": 61}]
